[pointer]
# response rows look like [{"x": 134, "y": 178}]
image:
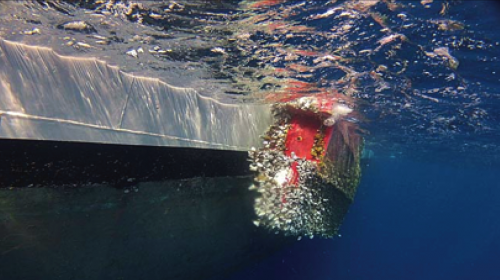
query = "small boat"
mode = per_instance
[{"x": 110, "y": 171}]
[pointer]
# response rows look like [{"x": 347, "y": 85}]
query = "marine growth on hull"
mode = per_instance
[{"x": 307, "y": 170}]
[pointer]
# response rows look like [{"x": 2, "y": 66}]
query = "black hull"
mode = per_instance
[{"x": 72, "y": 211}]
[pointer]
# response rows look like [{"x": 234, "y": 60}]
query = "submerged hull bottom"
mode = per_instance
[{"x": 119, "y": 225}]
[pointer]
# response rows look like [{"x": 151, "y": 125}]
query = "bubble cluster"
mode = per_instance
[{"x": 300, "y": 209}]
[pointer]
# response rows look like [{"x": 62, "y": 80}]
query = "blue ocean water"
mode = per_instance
[{"x": 410, "y": 220}]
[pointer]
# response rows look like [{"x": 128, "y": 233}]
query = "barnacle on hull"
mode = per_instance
[{"x": 308, "y": 172}]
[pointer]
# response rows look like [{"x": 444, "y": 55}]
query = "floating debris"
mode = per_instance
[
  {"x": 448, "y": 25},
  {"x": 32, "y": 31},
  {"x": 218, "y": 50},
  {"x": 133, "y": 53},
  {"x": 390, "y": 38},
  {"x": 444, "y": 53},
  {"x": 79, "y": 25}
]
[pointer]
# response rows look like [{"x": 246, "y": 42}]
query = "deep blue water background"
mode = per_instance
[{"x": 410, "y": 220}]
